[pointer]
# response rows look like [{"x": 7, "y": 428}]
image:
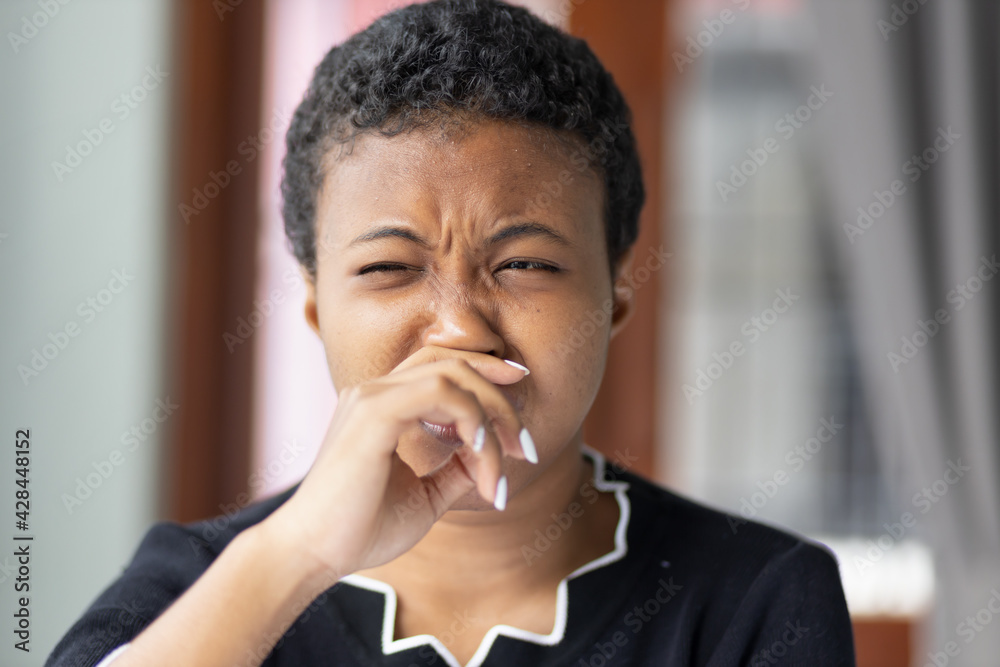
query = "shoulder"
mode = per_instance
[
  {"x": 211, "y": 536},
  {"x": 168, "y": 560},
  {"x": 714, "y": 538},
  {"x": 743, "y": 586},
  {"x": 180, "y": 550}
]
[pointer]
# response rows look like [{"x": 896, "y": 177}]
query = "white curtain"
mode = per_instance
[{"x": 921, "y": 266}]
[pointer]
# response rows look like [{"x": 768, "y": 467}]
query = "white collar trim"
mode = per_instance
[{"x": 389, "y": 645}]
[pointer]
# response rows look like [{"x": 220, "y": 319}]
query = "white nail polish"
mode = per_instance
[
  {"x": 518, "y": 366},
  {"x": 480, "y": 439},
  {"x": 528, "y": 446},
  {"x": 501, "y": 500}
]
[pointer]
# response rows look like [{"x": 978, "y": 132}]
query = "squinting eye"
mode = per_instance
[
  {"x": 381, "y": 268},
  {"x": 526, "y": 264},
  {"x": 519, "y": 264}
]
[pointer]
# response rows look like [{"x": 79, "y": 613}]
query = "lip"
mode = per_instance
[{"x": 448, "y": 433}]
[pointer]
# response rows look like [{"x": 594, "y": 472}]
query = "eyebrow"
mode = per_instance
[
  {"x": 513, "y": 231},
  {"x": 386, "y": 232}
]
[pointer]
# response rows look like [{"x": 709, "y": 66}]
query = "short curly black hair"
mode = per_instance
[{"x": 462, "y": 59}]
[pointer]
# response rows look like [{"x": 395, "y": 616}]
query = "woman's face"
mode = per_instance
[{"x": 490, "y": 242}]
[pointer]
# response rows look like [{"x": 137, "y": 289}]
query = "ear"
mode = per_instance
[
  {"x": 623, "y": 296},
  {"x": 312, "y": 315}
]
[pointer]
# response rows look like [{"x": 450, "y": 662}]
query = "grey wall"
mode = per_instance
[{"x": 63, "y": 240}]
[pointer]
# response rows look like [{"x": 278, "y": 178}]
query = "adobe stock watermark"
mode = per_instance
[
  {"x": 898, "y": 17},
  {"x": 298, "y": 614},
  {"x": 224, "y": 7},
  {"x": 7, "y": 569},
  {"x": 591, "y": 322},
  {"x": 562, "y": 522},
  {"x": 560, "y": 15},
  {"x": 581, "y": 159},
  {"x": 416, "y": 499},
  {"x": 121, "y": 108},
  {"x": 256, "y": 482},
  {"x": 458, "y": 627},
  {"x": 217, "y": 181},
  {"x": 924, "y": 500},
  {"x": 913, "y": 168},
  {"x": 49, "y": 9},
  {"x": 911, "y": 345},
  {"x": 752, "y": 329},
  {"x": 712, "y": 30},
  {"x": 968, "y": 629},
  {"x": 774, "y": 654},
  {"x": 122, "y": 617},
  {"x": 785, "y": 127},
  {"x": 636, "y": 619},
  {"x": 131, "y": 441},
  {"x": 88, "y": 309},
  {"x": 796, "y": 460},
  {"x": 262, "y": 309}
]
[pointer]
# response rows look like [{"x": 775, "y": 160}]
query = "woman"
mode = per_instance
[{"x": 462, "y": 191}]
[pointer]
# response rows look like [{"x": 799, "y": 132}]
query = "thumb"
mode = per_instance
[{"x": 450, "y": 482}]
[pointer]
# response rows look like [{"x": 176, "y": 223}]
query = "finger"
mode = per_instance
[
  {"x": 437, "y": 399},
  {"x": 494, "y": 369},
  {"x": 514, "y": 439},
  {"x": 482, "y": 452},
  {"x": 450, "y": 482},
  {"x": 486, "y": 462}
]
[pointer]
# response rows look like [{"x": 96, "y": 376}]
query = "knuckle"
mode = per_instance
[
  {"x": 463, "y": 363},
  {"x": 361, "y": 392},
  {"x": 362, "y": 396},
  {"x": 460, "y": 365},
  {"x": 440, "y": 383}
]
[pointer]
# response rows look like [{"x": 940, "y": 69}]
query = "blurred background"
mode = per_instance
[{"x": 817, "y": 352}]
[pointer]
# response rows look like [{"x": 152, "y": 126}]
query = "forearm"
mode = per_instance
[{"x": 237, "y": 610}]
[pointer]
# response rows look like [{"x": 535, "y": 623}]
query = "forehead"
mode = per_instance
[{"x": 475, "y": 173}]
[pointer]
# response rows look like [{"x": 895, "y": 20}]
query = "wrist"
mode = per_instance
[{"x": 289, "y": 552}]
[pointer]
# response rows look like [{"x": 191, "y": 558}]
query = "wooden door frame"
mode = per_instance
[
  {"x": 217, "y": 76},
  {"x": 631, "y": 42}
]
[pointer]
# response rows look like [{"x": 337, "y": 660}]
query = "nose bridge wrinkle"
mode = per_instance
[
  {"x": 457, "y": 301},
  {"x": 459, "y": 294}
]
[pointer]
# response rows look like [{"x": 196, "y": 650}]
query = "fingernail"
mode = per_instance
[
  {"x": 528, "y": 446},
  {"x": 501, "y": 500},
  {"x": 480, "y": 439},
  {"x": 518, "y": 366}
]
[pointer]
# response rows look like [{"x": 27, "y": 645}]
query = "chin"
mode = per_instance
[
  {"x": 423, "y": 453},
  {"x": 471, "y": 502}
]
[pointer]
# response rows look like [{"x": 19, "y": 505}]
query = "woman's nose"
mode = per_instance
[{"x": 459, "y": 318}]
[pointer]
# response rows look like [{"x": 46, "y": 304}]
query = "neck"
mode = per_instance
[{"x": 467, "y": 551}]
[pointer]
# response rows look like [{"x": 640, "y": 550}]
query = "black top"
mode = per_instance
[{"x": 685, "y": 585}]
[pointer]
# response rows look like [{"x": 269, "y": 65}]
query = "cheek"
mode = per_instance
[
  {"x": 569, "y": 347},
  {"x": 362, "y": 341}
]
